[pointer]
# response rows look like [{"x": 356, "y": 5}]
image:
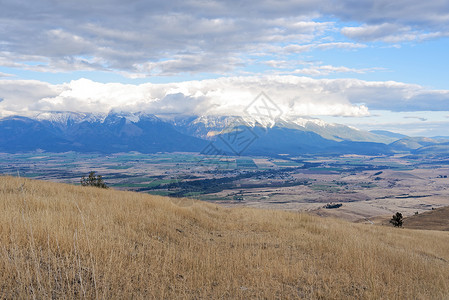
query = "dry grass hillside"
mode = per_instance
[
  {"x": 62, "y": 241},
  {"x": 437, "y": 219}
]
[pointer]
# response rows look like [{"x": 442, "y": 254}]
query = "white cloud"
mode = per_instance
[
  {"x": 20, "y": 95},
  {"x": 340, "y": 45},
  {"x": 189, "y": 63},
  {"x": 416, "y": 118},
  {"x": 296, "y": 48},
  {"x": 390, "y": 33},
  {"x": 4, "y": 75},
  {"x": 311, "y": 68},
  {"x": 222, "y": 96},
  {"x": 294, "y": 95},
  {"x": 394, "y": 96},
  {"x": 324, "y": 70}
]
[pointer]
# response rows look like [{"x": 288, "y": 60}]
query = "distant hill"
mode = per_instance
[
  {"x": 69, "y": 241},
  {"x": 441, "y": 138},
  {"x": 412, "y": 143},
  {"x": 437, "y": 219},
  {"x": 389, "y": 134},
  {"x": 440, "y": 148}
]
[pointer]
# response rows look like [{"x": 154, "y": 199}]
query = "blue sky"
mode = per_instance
[{"x": 370, "y": 64}]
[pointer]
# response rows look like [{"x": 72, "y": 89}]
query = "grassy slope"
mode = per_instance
[
  {"x": 437, "y": 219},
  {"x": 65, "y": 241}
]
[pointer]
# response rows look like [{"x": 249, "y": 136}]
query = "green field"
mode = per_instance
[{"x": 246, "y": 164}]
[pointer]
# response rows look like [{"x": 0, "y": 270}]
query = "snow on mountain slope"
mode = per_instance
[
  {"x": 64, "y": 117},
  {"x": 210, "y": 126},
  {"x": 339, "y": 132},
  {"x": 122, "y": 131}
]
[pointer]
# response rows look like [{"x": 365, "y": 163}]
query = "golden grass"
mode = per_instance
[
  {"x": 437, "y": 219},
  {"x": 62, "y": 241}
]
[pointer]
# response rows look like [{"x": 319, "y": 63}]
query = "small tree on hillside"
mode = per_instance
[
  {"x": 396, "y": 220},
  {"x": 93, "y": 180}
]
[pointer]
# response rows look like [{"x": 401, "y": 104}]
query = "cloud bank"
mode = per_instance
[
  {"x": 296, "y": 96},
  {"x": 145, "y": 38}
]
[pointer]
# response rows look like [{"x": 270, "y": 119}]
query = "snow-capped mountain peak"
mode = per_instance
[
  {"x": 65, "y": 117},
  {"x": 140, "y": 131},
  {"x": 305, "y": 122}
]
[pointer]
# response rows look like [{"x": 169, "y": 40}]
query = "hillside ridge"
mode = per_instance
[
  {"x": 436, "y": 219},
  {"x": 65, "y": 241}
]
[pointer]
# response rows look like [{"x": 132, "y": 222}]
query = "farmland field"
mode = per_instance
[{"x": 367, "y": 186}]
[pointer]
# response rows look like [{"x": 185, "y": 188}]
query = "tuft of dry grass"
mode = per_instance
[{"x": 63, "y": 241}]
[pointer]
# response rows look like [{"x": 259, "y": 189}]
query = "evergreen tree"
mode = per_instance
[
  {"x": 93, "y": 180},
  {"x": 396, "y": 220}
]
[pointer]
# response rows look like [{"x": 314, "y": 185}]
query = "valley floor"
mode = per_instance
[
  {"x": 368, "y": 187},
  {"x": 64, "y": 241}
]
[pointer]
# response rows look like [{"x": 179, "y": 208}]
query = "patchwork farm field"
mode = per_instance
[{"x": 366, "y": 186}]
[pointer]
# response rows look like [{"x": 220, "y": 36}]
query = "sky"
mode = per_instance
[{"x": 376, "y": 64}]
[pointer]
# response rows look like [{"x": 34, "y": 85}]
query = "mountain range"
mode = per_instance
[{"x": 232, "y": 135}]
